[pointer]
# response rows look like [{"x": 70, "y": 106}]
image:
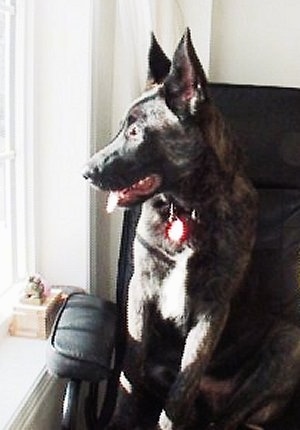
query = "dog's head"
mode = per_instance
[{"x": 159, "y": 137}]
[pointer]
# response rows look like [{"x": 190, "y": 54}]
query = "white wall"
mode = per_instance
[
  {"x": 256, "y": 42},
  {"x": 197, "y": 15},
  {"x": 61, "y": 138}
]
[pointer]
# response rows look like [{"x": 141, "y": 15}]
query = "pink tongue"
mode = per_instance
[{"x": 112, "y": 201}]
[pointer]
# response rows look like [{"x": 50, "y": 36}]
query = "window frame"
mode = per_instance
[{"x": 19, "y": 151}]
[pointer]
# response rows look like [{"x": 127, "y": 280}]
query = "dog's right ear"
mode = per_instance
[
  {"x": 186, "y": 85},
  {"x": 159, "y": 64}
]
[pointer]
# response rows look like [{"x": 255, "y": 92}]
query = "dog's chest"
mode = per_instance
[
  {"x": 172, "y": 289},
  {"x": 161, "y": 265}
]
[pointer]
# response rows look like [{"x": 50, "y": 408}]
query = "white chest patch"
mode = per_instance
[{"x": 173, "y": 289}]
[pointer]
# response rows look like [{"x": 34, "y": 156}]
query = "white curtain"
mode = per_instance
[{"x": 134, "y": 21}]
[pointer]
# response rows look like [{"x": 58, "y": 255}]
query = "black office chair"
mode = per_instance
[{"x": 89, "y": 331}]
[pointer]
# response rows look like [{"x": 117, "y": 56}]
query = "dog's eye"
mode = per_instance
[{"x": 133, "y": 131}]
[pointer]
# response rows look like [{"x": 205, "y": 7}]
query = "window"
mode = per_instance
[{"x": 12, "y": 232}]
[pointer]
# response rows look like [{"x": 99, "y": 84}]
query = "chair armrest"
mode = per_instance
[{"x": 82, "y": 339}]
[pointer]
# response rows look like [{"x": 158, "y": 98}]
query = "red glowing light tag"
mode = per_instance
[{"x": 176, "y": 230}]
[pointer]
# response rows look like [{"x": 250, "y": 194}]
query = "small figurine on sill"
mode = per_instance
[{"x": 34, "y": 292}]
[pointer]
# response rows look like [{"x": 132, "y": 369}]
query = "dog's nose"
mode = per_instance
[{"x": 91, "y": 173}]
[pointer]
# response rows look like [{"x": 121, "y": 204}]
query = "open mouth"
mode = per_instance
[{"x": 128, "y": 196}]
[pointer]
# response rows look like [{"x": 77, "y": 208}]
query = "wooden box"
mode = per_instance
[{"x": 36, "y": 321}]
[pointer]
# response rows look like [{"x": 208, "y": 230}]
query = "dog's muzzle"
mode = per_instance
[{"x": 91, "y": 173}]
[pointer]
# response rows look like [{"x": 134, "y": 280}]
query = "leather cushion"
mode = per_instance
[
  {"x": 274, "y": 278},
  {"x": 82, "y": 339}
]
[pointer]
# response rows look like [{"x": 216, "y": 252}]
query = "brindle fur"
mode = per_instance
[{"x": 202, "y": 351}]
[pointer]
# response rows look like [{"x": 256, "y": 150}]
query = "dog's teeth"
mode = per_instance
[{"x": 112, "y": 202}]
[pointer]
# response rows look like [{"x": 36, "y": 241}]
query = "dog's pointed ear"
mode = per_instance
[
  {"x": 186, "y": 84},
  {"x": 159, "y": 64}
]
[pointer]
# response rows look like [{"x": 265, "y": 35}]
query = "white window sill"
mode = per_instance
[
  {"x": 7, "y": 301},
  {"x": 22, "y": 363}
]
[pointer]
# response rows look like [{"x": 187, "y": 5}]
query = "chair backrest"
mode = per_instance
[{"x": 267, "y": 123}]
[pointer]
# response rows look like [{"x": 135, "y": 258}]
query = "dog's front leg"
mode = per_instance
[{"x": 200, "y": 344}]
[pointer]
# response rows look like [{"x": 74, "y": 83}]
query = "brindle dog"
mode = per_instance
[{"x": 200, "y": 351}]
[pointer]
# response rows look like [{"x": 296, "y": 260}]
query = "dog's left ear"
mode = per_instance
[
  {"x": 159, "y": 64},
  {"x": 186, "y": 84}
]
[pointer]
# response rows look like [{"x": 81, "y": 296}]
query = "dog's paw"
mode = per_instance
[{"x": 164, "y": 422}]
